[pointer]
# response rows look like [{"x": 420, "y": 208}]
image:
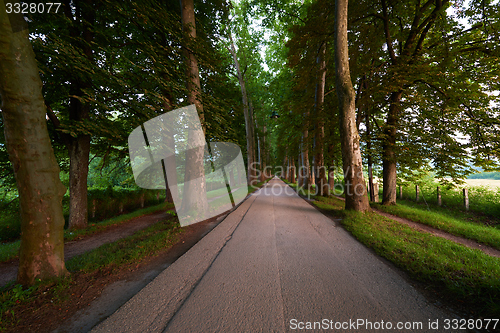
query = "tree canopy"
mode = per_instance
[{"x": 425, "y": 77}]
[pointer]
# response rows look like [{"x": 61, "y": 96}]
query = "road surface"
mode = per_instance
[{"x": 276, "y": 264}]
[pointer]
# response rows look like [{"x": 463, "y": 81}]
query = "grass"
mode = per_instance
[
  {"x": 442, "y": 220},
  {"x": 132, "y": 249},
  {"x": 460, "y": 274},
  {"x": 143, "y": 243},
  {"x": 10, "y": 251}
]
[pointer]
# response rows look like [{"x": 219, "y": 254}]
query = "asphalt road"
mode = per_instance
[{"x": 276, "y": 264}]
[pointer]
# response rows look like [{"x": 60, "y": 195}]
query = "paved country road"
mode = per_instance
[{"x": 276, "y": 264}]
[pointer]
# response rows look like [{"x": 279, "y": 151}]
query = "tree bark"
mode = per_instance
[
  {"x": 305, "y": 172},
  {"x": 30, "y": 151},
  {"x": 79, "y": 152},
  {"x": 389, "y": 153},
  {"x": 369, "y": 153},
  {"x": 355, "y": 190},
  {"x": 169, "y": 196},
  {"x": 194, "y": 157},
  {"x": 247, "y": 112},
  {"x": 264, "y": 153},
  {"x": 193, "y": 75},
  {"x": 321, "y": 183},
  {"x": 79, "y": 146}
]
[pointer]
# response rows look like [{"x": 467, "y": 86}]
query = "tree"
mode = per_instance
[
  {"x": 428, "y": 76},
  {"x": 247, "y": 111},
  {"x": 355, "y": 188},
  {"x": 30, "y": 151},
  {"x": 194, "y": 178}
]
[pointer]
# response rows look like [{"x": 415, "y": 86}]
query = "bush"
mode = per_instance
[
  {"x": 103, "y": 204},
  {"x": 10, "y": 227},
  {"x": 108, "y": 203}
]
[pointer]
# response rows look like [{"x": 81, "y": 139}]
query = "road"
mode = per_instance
[{"x": 276, "y": 264}]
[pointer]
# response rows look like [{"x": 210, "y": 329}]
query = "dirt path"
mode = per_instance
[
  {"x": 440, "y": 233},
  {"x": 8, "y": 270}
]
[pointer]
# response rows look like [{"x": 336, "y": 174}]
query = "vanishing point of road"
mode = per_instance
[{"x": 276, "y": 264}]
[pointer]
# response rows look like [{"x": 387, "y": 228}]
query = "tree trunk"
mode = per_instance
[
  {"x": 169, "y": 195},
  {"x": 79, "y": 150},
  {"x": 30, "y": 151},
  {"x": 305, "y": 172},
  {"x": 264, "y": 153},
  {"x": 193, "y": 76},
  {"x": 389, "y": 154},
  {"x": 369, "y": 153},
  {"x": 194, "y": 178},
  {"x": 248, "y": 112},
  {"x": 79, "y": 146},
  {"x": 355, "y": 198},
  {"x": 321, "y": 183}
]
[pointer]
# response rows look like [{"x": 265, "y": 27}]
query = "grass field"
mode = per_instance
[{"x": 492, "y": 183}]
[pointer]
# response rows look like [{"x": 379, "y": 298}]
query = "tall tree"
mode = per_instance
[
  {"x": 321, "y": 183},
  {"x": 247, "y": 111},
  {"x": 194, "y": 178},
  {"x": 30, "y": 151},
  {"x": 79, "y": 145},
  {"x": 355, "y": 191},
  {"x": 429, "y": 75}
]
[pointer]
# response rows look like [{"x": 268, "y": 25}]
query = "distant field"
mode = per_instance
[{"x": 493, "y": 183}]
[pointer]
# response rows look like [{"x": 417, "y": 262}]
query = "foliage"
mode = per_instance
[
  {"x": 482, "y": 199},
  {"x": 109, "y": 202}
]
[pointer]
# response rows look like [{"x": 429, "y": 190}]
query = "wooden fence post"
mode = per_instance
[
  {"x": 439, "y": 196},
  {"x": 158, "y": 196},
  {"x": 417, "y": 193},
  {"x": 375, "y": 192},
  {"x": 466, "y": 199},
  {"x": 93, "y": 208},
  {"x": 142, "y": 200},
  {"x": 400, "y": 192}
]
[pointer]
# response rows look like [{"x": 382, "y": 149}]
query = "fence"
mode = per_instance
[{"x": 472, "y": 198}]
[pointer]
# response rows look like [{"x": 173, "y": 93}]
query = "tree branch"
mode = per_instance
[{"x": 388, "y": 38}]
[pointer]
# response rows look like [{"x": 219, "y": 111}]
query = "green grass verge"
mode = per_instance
[
  {"x": 132, "y": 249},
  {"x": 447, "y": 222},
  {"x": 457, "y": 272},
  {"x": 143, "y": 243},
  {"x": 10, "y": 251}
]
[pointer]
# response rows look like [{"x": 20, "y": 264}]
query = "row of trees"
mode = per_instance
[
  {"x": 426, "y": 80},
  {"x": 421, "y": 80},
  {"x": 81, "y": 80}
]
